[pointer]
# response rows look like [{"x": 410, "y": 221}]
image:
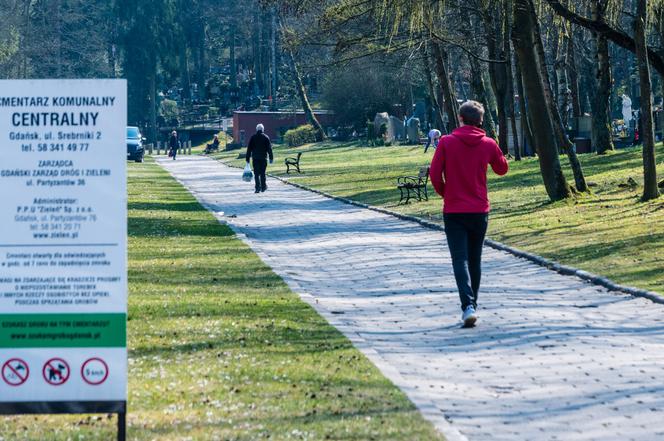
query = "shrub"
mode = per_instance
[
  {"x": 168, "y": 109},
  {"x": 300, "y": 135}
]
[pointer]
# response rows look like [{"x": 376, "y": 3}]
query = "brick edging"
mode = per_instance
[{"x": 539, "y": 260}]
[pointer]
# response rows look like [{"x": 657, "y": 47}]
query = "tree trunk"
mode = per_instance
[
  {"x": 502, "y": 121},
  {"x": 112, "y": 62},
  {"x": 558, "y": 127},
  {"x": 480, "y": 93},
  {"x": 554, "y": 51},
  {"x": 497, "y": 72},
  {"x": 438, "y": 122},
  {"x": 492, "y": 106},
  {"x": 445, "y": 84},
  {"x": 478, "y": 85},
  {"x": 601, "y": 114},
  {"x": 265, "y": 45},
  {"x": 273, "y": 58},
  {"x": 525, "y": 116},
  {"x": 23, "y": 38},
  {"x": 232, "y": 59},
  {"x": 564, "y": 144},
  {"x": 203, "y": 65},
  {"x": 184, "y": 72},
  {"x": 647, "y": 134},
  {"x": 573, "y": 75},
  {"x": 561, "y": 74},
  {"x": 302, "y": 93},
  {"x": 509, "y": 92},
  {"x": 564, "y": 98},
  {"x": 257, "y": 58},
  {"x": 489, "y": 122},
  {"x": 547, "y": 148},
  {"x": 153, "y": 102}
]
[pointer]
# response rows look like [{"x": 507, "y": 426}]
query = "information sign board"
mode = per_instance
[{"x": 63, "y": 246}]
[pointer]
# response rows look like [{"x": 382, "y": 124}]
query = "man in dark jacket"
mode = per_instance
[
  {"x": 259, "y": 149},
  {"x": 173, "y": 144}
]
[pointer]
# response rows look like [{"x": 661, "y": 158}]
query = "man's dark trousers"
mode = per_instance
[
  {"x": 465, "y": 238},
  {"x": 260, "y": 166}
]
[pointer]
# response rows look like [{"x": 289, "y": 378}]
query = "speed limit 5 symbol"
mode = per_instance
[
  {"x": 94, "y": 371},
  {"x": 15, "y": 372}
]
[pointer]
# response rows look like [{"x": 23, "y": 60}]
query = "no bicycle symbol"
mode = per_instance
[
  {"x": 56, "y": 371},
  {"x": 15, "y": 372}
]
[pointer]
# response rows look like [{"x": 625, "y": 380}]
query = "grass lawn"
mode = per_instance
[
  {"x": 609, "y": 232},
  {"x": 221, "y": 349}
]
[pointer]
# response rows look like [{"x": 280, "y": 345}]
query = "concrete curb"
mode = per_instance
[{"x": 539, "y": 260}]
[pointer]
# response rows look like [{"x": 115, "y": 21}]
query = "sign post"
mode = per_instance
[{"x": 63, "y": 247}]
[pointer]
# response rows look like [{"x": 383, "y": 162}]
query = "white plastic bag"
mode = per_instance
[{"x": 247, "y": 175}]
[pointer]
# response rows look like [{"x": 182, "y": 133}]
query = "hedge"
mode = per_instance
[{"x": 301, "y": 135}]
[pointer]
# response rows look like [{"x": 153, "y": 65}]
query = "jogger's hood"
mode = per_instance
[{"x": 469, "y": 135}]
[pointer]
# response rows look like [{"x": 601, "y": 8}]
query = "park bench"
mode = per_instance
[
  {"x": 210, "y": 148},
  {"x": 414, "y": 186},
  {"x": 293, "y": 162}
]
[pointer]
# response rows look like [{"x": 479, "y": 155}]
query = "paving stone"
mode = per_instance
[{"x": 553, "y": 357}]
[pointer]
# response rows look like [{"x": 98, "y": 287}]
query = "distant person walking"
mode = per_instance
[
  {"x": 458, "y": 173},
  {"x": 259, "y": 149},
  {"x": 432, "y": 138},
  {"x": 173, "y": 144}
]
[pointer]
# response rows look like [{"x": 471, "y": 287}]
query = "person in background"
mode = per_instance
[
  {"x": 432, "y": 138},
  {"x": 209, "y": 148},
  {"x": 258, "y": 151},
  {"x": 458, "y": 174},
  {"x": 173, "y": 144}
]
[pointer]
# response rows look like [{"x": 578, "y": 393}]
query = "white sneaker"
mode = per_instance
[{"x": 469, "y": 317}]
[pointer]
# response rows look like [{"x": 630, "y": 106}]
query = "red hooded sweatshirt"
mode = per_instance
[{"x": 459, "y": 166}]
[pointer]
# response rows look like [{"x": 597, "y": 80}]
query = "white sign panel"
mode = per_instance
[{"x": 63, "y": 242}]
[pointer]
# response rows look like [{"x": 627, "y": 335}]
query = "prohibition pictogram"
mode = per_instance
[
  {"x": 15, "y": 372},
  {"x": 56, "y": 371},
  {"x": 94, "y": 371}
]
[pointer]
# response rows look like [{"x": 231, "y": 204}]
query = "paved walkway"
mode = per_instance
[{"x": 553, "y": 358}]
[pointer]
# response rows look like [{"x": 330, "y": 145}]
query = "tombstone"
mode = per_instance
[
  {"x": 510, "y": 134},
  {"x": 583, "y": 139},
  {"x": 659, "y": 125},
  {"x": 380, "y": 120},
  {"x": 413, "y": 130},
  {"x": 584, "y": 124},
  {"x": 397, "y": 128}
]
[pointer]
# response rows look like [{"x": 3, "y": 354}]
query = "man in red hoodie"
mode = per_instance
[{"x": 458, "y": 173}]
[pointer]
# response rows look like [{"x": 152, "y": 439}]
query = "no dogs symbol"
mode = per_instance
[
  {"x": 56, "y": 371},
  {"x": 15, "y": 372},
  {"x": 94, "y": 371}
]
